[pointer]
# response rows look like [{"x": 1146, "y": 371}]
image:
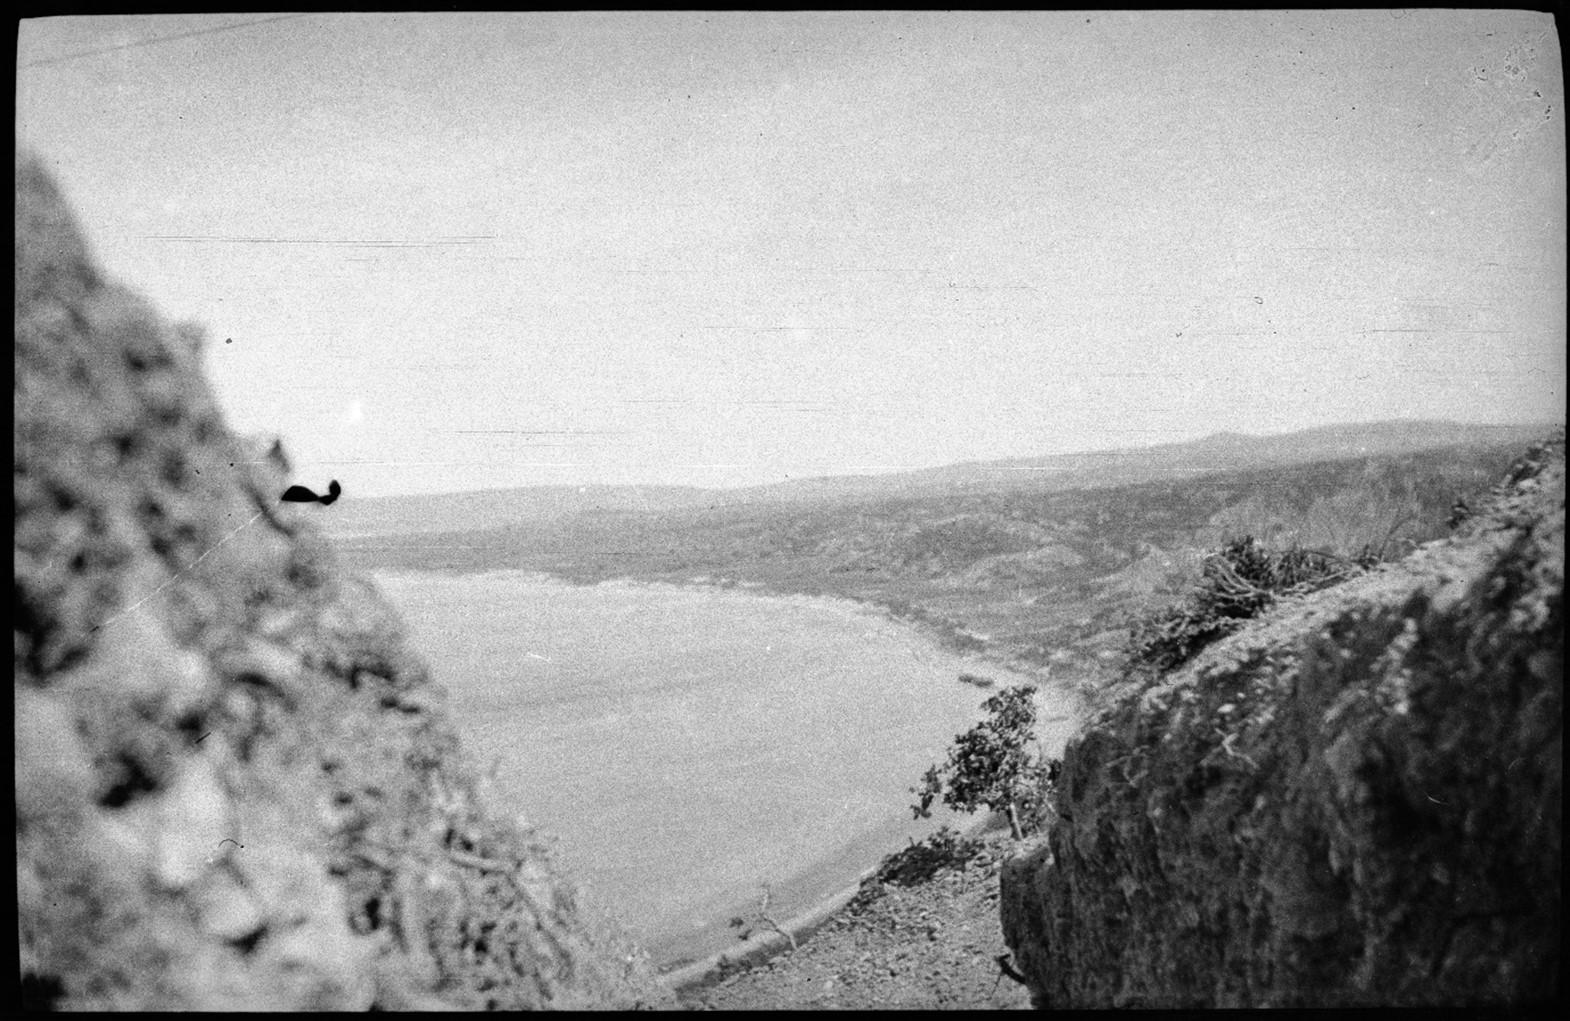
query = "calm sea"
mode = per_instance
[{"x": 689, "y": 746}]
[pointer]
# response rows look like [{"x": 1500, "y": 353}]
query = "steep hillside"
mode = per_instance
[
  {"x": 1033, "y": 576},
  {"x": 1355, "y": 800},
  {"x": 235, "y": 785}
]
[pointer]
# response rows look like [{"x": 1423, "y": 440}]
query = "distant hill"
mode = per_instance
[
  {"x": 486, "y": 509},
  {"x": 496, "y": 508},
  {"x": 1038, "y": 574},
  {"x": 1225, "y": 451}
]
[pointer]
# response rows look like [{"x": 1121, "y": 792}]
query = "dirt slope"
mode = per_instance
[
  {"x": 925, "y": 936},
  {"x": 235, "y": 786}
]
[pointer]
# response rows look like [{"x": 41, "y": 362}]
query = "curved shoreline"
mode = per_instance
[
  {"x": 800, "y": 926},
  {"x": 799, "y": 884},
  {"x": 764, "y": 945},
  {"x": 845, "y": 605}
]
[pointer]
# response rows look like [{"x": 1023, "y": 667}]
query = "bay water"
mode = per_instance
[{"x": 689, "y": 748}]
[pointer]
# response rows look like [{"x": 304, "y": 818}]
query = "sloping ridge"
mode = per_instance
[
  {"x": 235, "y": 784},
  {"x": 1356, "y": 800},
  {"x": 481, "y": 510}
]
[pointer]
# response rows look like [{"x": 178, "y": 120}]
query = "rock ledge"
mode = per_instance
[{"x": 1354, "y": 801}]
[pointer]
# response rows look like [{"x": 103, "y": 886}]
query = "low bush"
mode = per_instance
[
  {"x": 944, "y": 848},
  {"x": 1237, "y": 583}
]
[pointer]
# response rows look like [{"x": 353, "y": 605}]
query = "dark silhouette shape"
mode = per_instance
[
  {"x": 299, "y": 494},
  {"x": 1007, "y": 970}
]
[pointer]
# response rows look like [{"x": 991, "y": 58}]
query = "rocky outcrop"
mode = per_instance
[
  {"x": 235, "y": 785},
  {"x": 1356, "y": 800}
]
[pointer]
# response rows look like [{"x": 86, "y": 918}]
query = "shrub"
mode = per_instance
[
  {"x": 1237, "y": 583},
  {"x": 991, "y": 766},
  {"x": 945, "y": 848}
]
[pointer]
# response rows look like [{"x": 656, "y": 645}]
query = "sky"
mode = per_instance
[{"x": 444, "y": 252}]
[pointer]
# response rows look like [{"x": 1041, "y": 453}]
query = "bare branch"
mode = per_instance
[{"x": 768, "y": 920}]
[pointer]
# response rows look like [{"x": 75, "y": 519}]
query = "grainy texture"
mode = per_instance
[
  {"x": 1356, "y": 800},
  {"x": 924, "y": 936},
  {"x": 235, "y": 785}
]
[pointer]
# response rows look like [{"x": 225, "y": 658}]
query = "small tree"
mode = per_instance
[{"x": 990, "y": 765}]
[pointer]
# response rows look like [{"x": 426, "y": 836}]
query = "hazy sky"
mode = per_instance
[{"x": 440, "y": 252}]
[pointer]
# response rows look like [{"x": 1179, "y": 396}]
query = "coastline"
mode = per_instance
[
  {"x": 761, "y": 946},
  {"x": 812, "y": 895},
  {"x": 939, "y": 635},
  {"x": 840, "y": 604}
]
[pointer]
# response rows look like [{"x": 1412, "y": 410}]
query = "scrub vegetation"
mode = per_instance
[
  {"x": 992, "y": 766},
  {"x": 1353, "y": 799},
  {"x": 1049, "y": 578}
]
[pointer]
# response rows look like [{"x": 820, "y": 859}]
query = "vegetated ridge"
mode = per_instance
[
  {"x": 1354, "y": 800},
  {"x": 1100, "y": 469},
  {"x": 236, "y": 787},
  {"x": 1041, "y": 578}
]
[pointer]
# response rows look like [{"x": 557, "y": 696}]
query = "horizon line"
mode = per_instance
[{"x": 886, "y": 470}]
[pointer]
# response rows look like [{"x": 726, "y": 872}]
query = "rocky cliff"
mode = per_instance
[
  {"x": 1356, "y": 800},
  {"x": 235, "y": 785}
]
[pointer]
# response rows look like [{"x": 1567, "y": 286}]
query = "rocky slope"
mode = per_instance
[
  {"x": 235, "y": 786},
  {"x": 921, "y": 934},
  {"x": 1356, "y": 800}
]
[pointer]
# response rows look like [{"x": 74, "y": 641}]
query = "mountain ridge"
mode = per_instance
[{"x": 1221, "y": 451}]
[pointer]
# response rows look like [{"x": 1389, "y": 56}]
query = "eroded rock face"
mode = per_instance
[
  {"x": 235, "y": 785},
  {"x": 1354, "y": 801}
]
